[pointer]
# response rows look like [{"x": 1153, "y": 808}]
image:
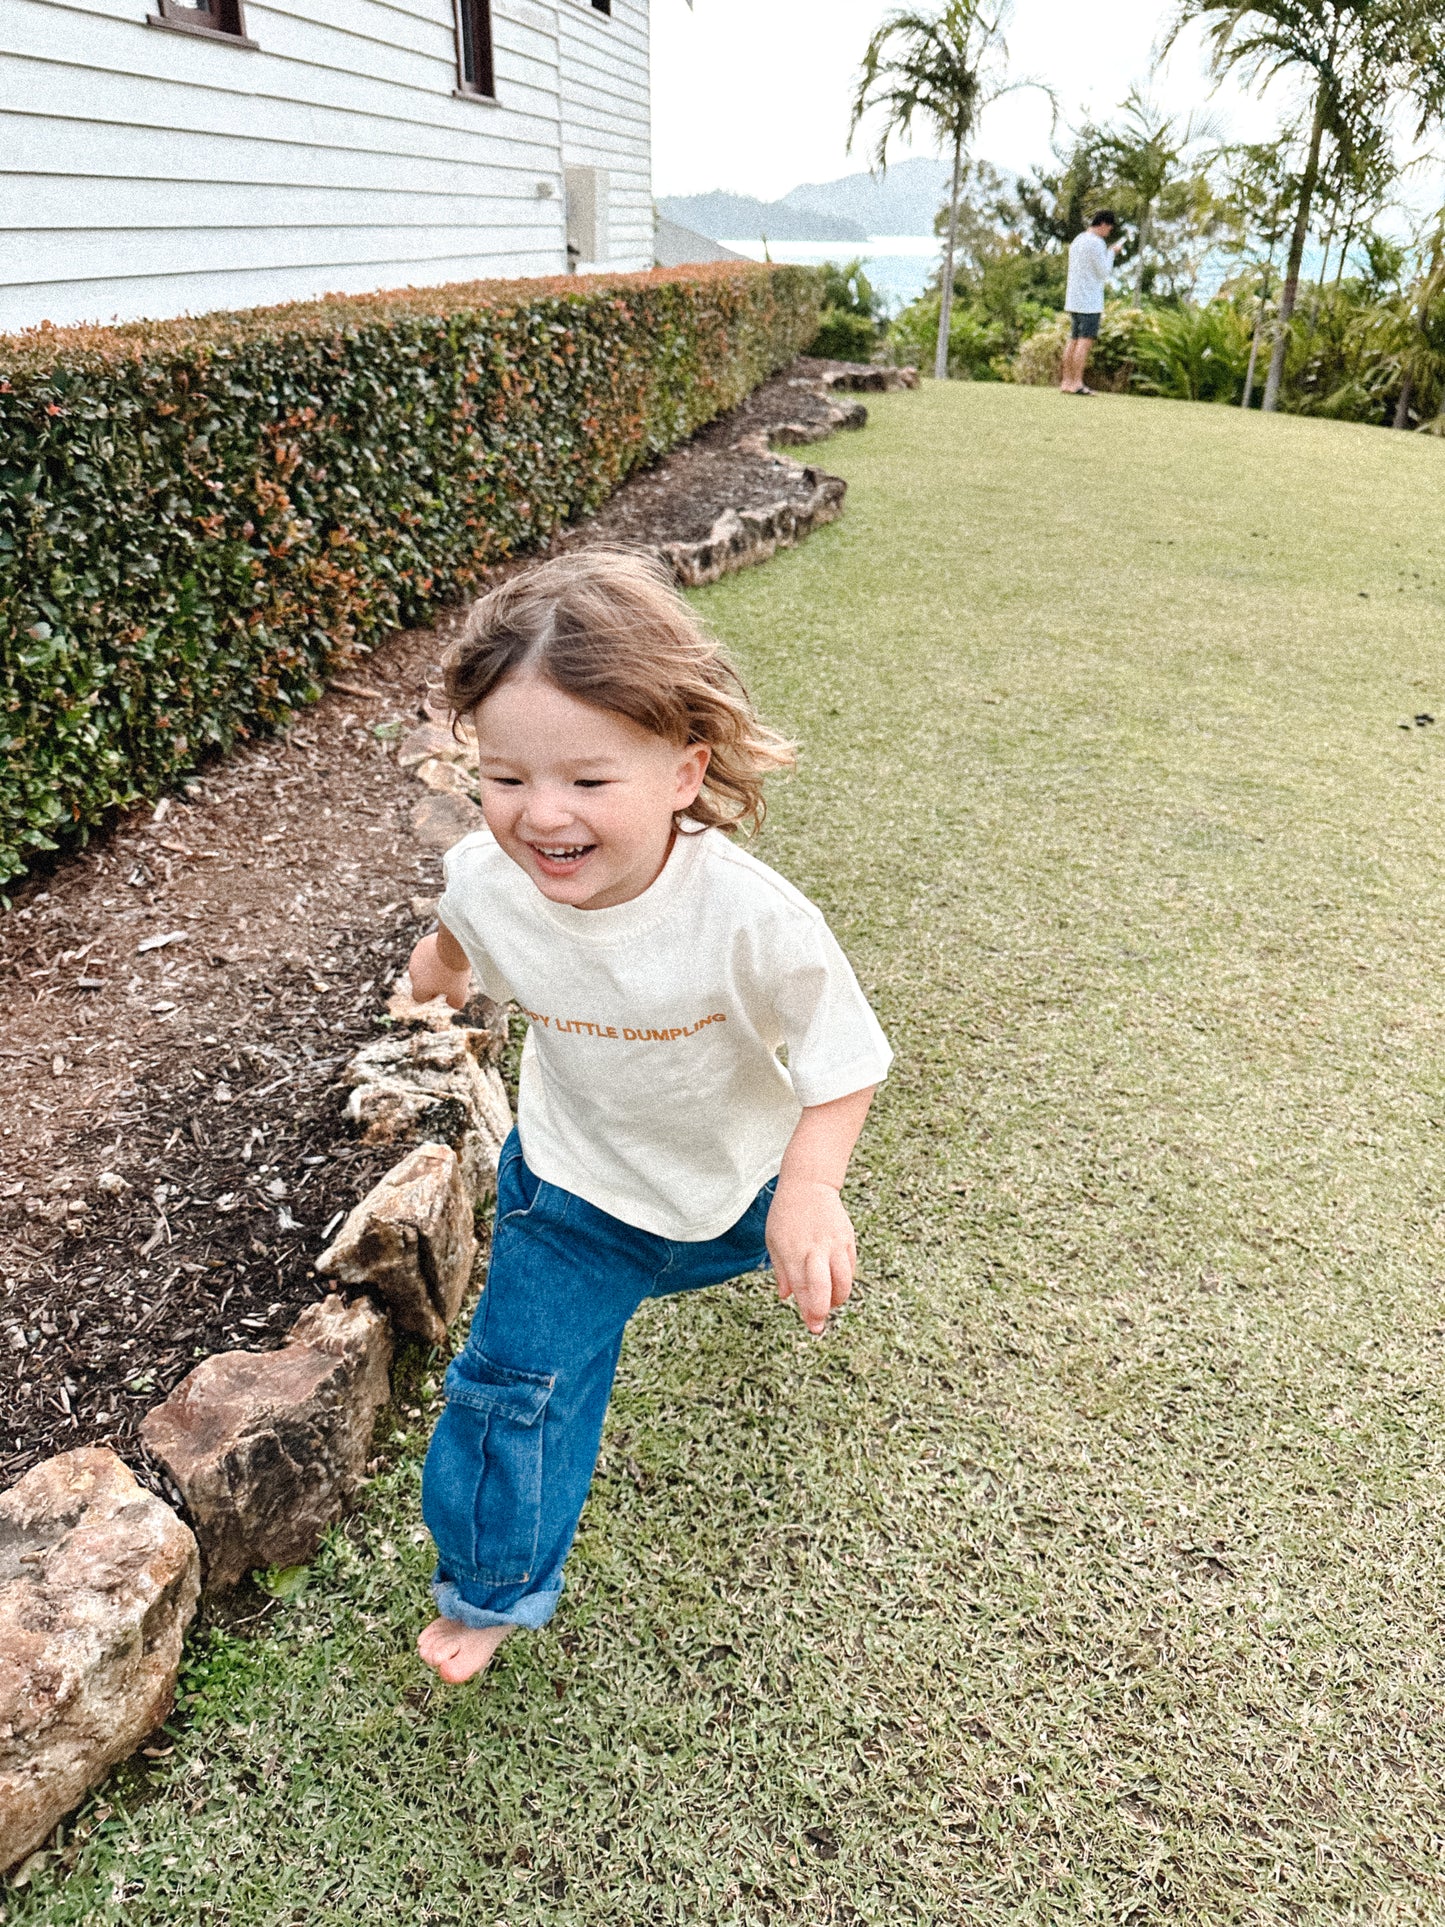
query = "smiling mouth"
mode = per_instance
[{"x": 558, "y": 859}]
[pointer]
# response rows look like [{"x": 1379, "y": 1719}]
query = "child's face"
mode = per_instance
[{"x": 581, "y": 798}]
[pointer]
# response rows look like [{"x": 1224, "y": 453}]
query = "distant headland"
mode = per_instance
[{"x": 902, "y": 201}]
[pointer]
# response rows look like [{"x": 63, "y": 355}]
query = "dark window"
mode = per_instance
[
  {"x": 474, "y": 47},
  {"x": 206, "y": 16},
  {"x": 602, "y": 6}
]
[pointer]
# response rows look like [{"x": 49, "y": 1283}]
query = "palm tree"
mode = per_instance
[
  {"x": 1348, "y": 52},
  {"x": 1144, "y": 153},
  {"x": 1057, "y": 206},
  {"x": 1258, "y": 197},
  {"x": 944, "y": 69}
]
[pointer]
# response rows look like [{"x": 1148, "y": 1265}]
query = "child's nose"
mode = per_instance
[{"x": 547, "y": 810}]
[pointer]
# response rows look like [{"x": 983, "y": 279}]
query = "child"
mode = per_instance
[{"x": 661, "y": 1145}]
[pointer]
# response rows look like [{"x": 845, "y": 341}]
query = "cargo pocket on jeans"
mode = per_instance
[{"x": 481, "y": 1493}]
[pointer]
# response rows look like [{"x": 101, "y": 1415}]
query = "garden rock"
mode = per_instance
[
  {"x": 438, "y": 821},
  {"x": 411, "y": 1241},
  {"x": 403, "y": 1008},
  {"x": 837, "y": 415},
  {"x": 267, "y": 1448},
  {"x": 737, "y": 541},
  {"x": 429, "y": 740},
  {"x": 436, "y": 1083},
  {"x": 98, "y": 1582},
  {"x": 445, "y": 777},
  {"x": 484, "y": 1021},
  {"x": 870, "y": 380}
]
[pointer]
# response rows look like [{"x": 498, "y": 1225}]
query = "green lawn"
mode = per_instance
[{"x": 1091, "y": 1570}]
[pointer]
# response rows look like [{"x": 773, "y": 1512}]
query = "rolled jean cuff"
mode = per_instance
[{"x": 532, "y": 1612}]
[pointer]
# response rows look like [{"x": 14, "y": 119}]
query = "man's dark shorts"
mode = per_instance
[{"x": 1086, "y": 326}]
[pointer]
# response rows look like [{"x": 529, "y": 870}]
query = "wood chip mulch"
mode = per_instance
[
  {"x": 724, "y": 466},
  {"x": 179, "y": 999}
]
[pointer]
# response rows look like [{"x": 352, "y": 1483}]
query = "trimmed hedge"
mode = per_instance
[{"x": 198, "y": 519}]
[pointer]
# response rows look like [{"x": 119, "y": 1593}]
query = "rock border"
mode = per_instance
[
  {"x": 99, "y": 1578},
  {"x": 266, "y": 1449},
  {"x": 741, "y": 539},
  {"x": 862, "y": 377},
  {"x": 98, "y": 1583}
]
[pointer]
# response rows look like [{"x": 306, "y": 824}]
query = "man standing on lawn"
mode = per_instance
[{"x": 1091, "y": 262}]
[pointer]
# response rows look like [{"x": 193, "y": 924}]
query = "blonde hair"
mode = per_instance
[{"x": 608, "y": 627}]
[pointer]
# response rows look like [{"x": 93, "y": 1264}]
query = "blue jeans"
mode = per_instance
[{"x": 513, "y": 1453}]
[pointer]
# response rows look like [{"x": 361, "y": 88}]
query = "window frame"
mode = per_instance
[
  {"x": 227, "y": 22},
  {"x": 477, "y": 14}
]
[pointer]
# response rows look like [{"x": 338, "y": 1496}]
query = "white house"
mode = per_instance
[{"x": 164, "y": 157}]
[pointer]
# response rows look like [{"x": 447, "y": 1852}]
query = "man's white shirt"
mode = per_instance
[{"x": 1091, "y": 262}]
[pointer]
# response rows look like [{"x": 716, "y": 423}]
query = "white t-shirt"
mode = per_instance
[
  {"x": 1091, "y": 262},
  {"x": 651, "y": 1084}
]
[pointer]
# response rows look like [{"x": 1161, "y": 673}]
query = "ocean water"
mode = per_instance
[{"x": 898, "y": 265}]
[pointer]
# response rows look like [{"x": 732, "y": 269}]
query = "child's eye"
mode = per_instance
[
  {"x": 591, "y": 782},
  {"x": 506, "y": 782}
]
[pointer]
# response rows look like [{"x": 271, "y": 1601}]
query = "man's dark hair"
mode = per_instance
[{"x": 1105, "y": 214}]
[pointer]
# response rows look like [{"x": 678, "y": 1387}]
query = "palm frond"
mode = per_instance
[{"x": 941, "y": 68}]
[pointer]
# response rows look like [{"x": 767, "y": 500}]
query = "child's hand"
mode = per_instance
[
  {"x": 438, "y": 968},
  {"x": 810, "y": 1241}
]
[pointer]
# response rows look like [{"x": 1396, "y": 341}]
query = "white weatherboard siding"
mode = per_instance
[
  {"x": 149, "y": 174},
  {"x": 606, "y": 116}
]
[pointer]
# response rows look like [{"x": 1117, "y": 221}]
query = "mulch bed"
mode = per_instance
[
  {"x": 173, "y": 1137},
  {"x": 687, "y": 490},
  {"x": 179, "y": 999}
]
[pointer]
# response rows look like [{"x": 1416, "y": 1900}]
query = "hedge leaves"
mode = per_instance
[{"x": 198, "y": 519}]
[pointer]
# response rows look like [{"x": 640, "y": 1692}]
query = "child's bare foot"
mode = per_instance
[{"x": 459, "y": 1652}]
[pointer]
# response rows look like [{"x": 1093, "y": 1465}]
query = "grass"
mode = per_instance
[{"x": 1091, "y": 1570}]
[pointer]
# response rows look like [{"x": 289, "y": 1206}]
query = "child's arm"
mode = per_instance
[
  {"x": 439, "y": 968},
  {"x": 809, "y": 1234}
]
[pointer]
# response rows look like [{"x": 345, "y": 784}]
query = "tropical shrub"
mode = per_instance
[
  {"x": 844, "y": 337},
  {"x": 1349, "y": 351},
  {"x": 976, "y": 347},
  {"x": 852, "y": 323},
  {"x": 1039, "y": 361},
  {"x": 200, "y": 518},
  {"x": 848, "y": 290},
  {"x": 1191, "y": 354}
]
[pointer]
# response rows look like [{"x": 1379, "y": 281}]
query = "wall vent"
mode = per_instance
[{"x": 586, "y": 189}]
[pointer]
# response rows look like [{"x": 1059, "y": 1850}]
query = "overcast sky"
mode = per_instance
[{"x": 753, "y": 95}]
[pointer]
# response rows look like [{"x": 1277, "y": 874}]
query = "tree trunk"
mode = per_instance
[
  {"x": 1254, "y": 342},
  {"x": 1290, "y": 290},
  {"x": 945, "y": 309},
  {"x": 1325, "y": 256},
  {"x": 1345, "y": 252},
  {"x": 1402, "y": 406},
  {"x": 1144, "y": 220}
]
